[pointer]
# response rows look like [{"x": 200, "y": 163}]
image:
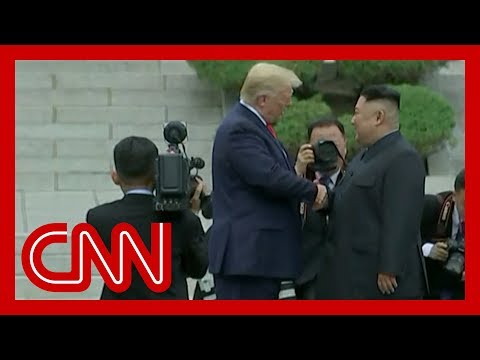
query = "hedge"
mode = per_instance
[
  {"x": 394, "y": 72},
  {"x": 426, "y": 120},
  {"x": 229, "y": 74},
  {"x": 292, "y": 127}
]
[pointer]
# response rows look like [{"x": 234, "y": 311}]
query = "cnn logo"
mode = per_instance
[{"x": 115, "y": 267}]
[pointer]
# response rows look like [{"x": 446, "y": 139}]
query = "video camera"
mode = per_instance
[
  {"x": 172, "y": 170},
  {"x": 326, "y": 156}
]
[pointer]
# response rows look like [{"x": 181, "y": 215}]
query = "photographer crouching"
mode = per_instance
[{"x": 443, "y": 233}]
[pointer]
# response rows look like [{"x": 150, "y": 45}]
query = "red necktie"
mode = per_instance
[{"x": 272, "y": 130}]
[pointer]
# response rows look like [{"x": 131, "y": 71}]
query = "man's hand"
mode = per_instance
[
  {"x": 387, "y": 283},
  {"x": 195, "y": 200},
  {"x": 320, "y": 200},
  {"x": 305, "y": 156},
  {"x": 439, "y": 251},
  {"x": 463, "y": 276}
]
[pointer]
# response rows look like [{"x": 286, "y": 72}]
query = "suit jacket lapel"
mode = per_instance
[
  {"x": 285, "y": 153},
  {"x": 339, "y": 177},
  {"x": 262, "y": 126}
]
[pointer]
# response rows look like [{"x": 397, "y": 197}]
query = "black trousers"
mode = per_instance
[
  {"x": 240, "y": 287},
  {"x": 306, "y": 291}
]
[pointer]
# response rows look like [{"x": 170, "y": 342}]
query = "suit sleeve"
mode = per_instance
[
  {"x": 90, "y": 219},
  {"x": 195, "y": 251},
  {"x": 252, "y": 162},
  {"x": 403, "y": 200}
]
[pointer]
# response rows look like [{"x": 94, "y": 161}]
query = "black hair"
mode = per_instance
[
  {"x": 381, "y": 92},
  {"x": 326, "y": 120},
  {"x": 460, "y": 181},
  {"x": 134, "y": 158}
]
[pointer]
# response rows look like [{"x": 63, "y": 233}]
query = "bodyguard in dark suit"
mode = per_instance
[
  {"x": 134, "y": 159},
  {"x": 314, "y": 232},
  {"x": 255, "y": 239},
  {"x": 376, "y": 210}
]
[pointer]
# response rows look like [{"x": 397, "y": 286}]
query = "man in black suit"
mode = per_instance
[
  {"x": 443, "y": 233},
  {"x": 315, "y": 223},
  {"x": 134, "y": 159},
  {"x": 376, "y": 210}
]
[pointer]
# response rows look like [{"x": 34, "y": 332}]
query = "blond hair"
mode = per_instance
[{"x": 267, "y": 79}]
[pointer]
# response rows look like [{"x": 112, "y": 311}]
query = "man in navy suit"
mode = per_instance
[{"x": 255, "y": 240}]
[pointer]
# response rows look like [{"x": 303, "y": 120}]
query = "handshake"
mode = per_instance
[{"x": 322, "y": 198}]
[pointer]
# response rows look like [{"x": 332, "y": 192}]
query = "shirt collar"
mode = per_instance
[
  {"x": 252, "y": 109},
  {"x": 139, "y": 191}
]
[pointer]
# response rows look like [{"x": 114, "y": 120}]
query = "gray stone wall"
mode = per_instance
[
  {"x": 70, "y": 114},
  {"x": 450, "y": 82}
]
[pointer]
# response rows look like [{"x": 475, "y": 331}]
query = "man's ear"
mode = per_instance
[
  {"x": 380, "y": 117},
  {"x": 115, "y": 177}
]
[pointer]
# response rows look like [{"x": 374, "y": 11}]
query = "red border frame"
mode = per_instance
[{"x": 8, "y": 55}]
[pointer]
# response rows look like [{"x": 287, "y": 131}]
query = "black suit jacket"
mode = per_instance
[
  {"x": 189, "y": 249},
  {"x": 314, "y": 238},
  {"x": 374, "y": 225}
]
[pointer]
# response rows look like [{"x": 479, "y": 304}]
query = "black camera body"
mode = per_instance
[
  {"x": 172, "y": 171},
  {"x": 455, "y": 264},
  {"x": 326, "y": 156}
]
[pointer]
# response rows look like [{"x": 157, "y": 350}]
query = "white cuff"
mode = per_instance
[{"x": 426, "y": 249}]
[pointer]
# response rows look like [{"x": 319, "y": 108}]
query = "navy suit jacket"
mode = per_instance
[{"x": 256, "y": 194}]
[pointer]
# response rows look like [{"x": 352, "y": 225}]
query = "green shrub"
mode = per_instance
[
  {"x": 292, "y": 127},
  {"x": 385, "y": 71},
  {"x": 229, "y": 74},
  {"x": 426, "y": 120},
  {"x": 352, "y": 145}
]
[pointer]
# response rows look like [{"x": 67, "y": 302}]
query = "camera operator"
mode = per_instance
[
  {"x": 325, "y": 165},
  {"x": 443, "y": 233},
  {"x": 135, "y": 161},
  {"x": 201, "y": 203}
]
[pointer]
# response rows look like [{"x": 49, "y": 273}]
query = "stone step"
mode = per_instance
[
  {"x": 450, "y": 82},
  {"x": 164, "y": 67},
  {"x": 148, "y": 115},
  {"x": 33, "y": 209},
  {"x": 456, "y": 67},
  {"x": 25, "y": 290}
]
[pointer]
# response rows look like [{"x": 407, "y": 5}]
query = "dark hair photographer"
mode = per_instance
[
  {"x": 136, "y": 171},
  {"x": 322, "y": 159}
]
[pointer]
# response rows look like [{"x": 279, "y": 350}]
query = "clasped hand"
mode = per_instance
[{"x": 321, "y": 198}]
